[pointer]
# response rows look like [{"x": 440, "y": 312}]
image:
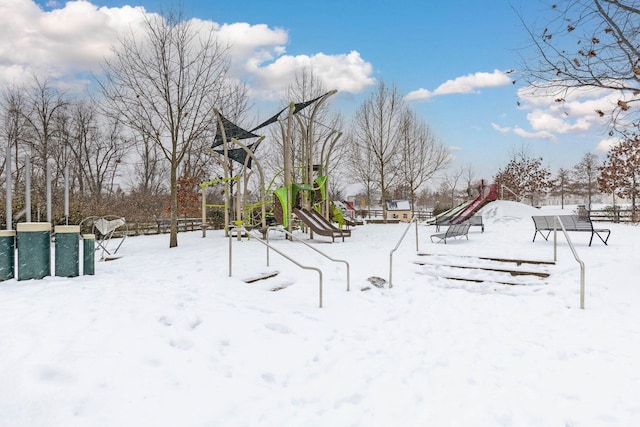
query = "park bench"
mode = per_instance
[
  {"x": 453, "y": 231},
  {"x": 545, "y": 223},
  {"x": 474, "y": 220}
]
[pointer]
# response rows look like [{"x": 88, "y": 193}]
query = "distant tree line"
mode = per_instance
[{"x": 139, "y": 145}]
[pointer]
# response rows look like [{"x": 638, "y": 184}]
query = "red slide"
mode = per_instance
[{"x": 479, "y": 202}]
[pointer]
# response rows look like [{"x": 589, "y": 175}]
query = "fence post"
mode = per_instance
[
  {"x": 88, "y": 254},
  {"x": 7, "y": 254}
]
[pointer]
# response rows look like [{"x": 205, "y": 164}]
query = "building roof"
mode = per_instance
[{"x": 398, "y": 205}]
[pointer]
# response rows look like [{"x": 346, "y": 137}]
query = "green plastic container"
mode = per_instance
[
  {"x": 34, "y": 250},
  {"x": 88, "y": 254},
  {"x": 7, "y": 254},
  {"x": 67, "y": 250}
]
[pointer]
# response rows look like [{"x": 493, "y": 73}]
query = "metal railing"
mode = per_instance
[
  {"x": 556, "y": 220},
  {"x": 305, "y": 267},
  {"x": 414, "y": 219},
  {"x": 286, "y": 232}
]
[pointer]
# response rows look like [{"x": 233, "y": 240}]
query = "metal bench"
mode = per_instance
[
  {"x": 545, "y": 223},
  {"x": 474, "y": 220},
  {"x": 453, "y": 231}
]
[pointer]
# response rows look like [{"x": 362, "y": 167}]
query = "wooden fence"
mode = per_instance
[
  {"x": 162, "y": 226},
  {"x": 614, "y": 214}
]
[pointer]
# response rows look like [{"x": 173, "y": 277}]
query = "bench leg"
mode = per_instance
[
  {"x": 600, "y": 237},
  {"x": 542, "y": 234}
]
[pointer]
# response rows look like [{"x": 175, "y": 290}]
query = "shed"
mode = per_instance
[{"x": 399, "y": 209}]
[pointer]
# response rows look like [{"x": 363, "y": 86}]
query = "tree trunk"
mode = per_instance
[{"x": 173, "y": 238}]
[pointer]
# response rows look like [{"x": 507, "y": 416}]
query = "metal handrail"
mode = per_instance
[
  {"x": 556, "y": 220},
  {"x": 305, "y": 267},
  {"x": 414, "y": 219},
  {"x": 281, "y": 228}
]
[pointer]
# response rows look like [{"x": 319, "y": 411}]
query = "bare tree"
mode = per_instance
[
  {"x": 376, "y": 131},
  {"x": 316, "y": 133},
  {"x": 165, "y": 85},
  {"x": 421, "y": 156},
  {"x": 585, "y": 175},
  {"x": 361, "y": 169},
  {"x": 198, "y": 161},
  {"x": 450, "y": 182},
  {"x": 46, "y": 118},
  {"x": 148, "y": 174},
  {"x": 13, "y": 128},
  {"x": 561, "y": 185},
  {"x": 470, "y": 179},
  {"x": 98, "y": 147},
  {"x": 590, "y": 44}
]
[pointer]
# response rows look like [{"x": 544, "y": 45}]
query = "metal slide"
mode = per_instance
[
  {"x": 476, "y": 204},
  {"x": 448, "y": 215}
]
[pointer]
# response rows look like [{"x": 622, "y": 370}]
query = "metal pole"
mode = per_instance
[
  {"x": 204, "y": 211},
  {"x": 9, "y": 182},
  {"x": 66, "y": 195},
  {"x": 582, "y": 286},
  {"x": 287, "y": 168},
  {"x": 250, "y": 154},
  {"x": 396, "y": 248},
  {"x": 27, "y": 186},
  {"x": 48, "y": 173},
  {"x": 230, "y": 252},
  {"x": 227, "y": 173},
  {"x": 575, "y": 255},
  {"x": 555, "y": 240},
  {"x": 257, "y": 239}
]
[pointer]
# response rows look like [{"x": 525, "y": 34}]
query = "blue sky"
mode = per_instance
[{"x": 455, "y": 61}]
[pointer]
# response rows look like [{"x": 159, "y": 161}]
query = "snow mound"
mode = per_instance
[{"x": 501, "y": 211}]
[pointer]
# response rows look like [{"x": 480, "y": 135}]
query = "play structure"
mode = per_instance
[
  {"x": 320, "y": 225},
  {"x": 464, "y": 211},
  {"x": 286, "y": 196}
]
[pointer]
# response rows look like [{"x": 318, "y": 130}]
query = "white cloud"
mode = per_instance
[
  {"x": 346, "y": 73},
  {"x": 500, "y": 129},
  {"x": 553, "y": 111},
  {"x": 75, "y": 37},
  {"x": 606, "y": 144},
  {"x": 464, "y": 84},
  {"x": 524, "y": 133},
  {"x": 59, "y": 42}
]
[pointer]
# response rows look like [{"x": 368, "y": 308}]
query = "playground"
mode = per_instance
[
  {"x": 166, "y": 337},
  {"x": 281, "y": 195},
  {"x": 277, "y": 203},
  {"x": 293, "y": 312}
]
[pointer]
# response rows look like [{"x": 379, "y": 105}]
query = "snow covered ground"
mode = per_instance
[{"x": 164, "y": 337}]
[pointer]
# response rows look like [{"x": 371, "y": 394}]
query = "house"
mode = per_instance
[{"x": 398, "y": 210}]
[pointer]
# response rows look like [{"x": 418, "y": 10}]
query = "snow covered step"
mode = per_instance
[
  {"x": 478, "y": 270},
  {"x": 514, "y": 266},
  {"x": 261, "y": 276},
  {"x": 480, "y": 275},
  {"x": 267, "y": 280}
]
